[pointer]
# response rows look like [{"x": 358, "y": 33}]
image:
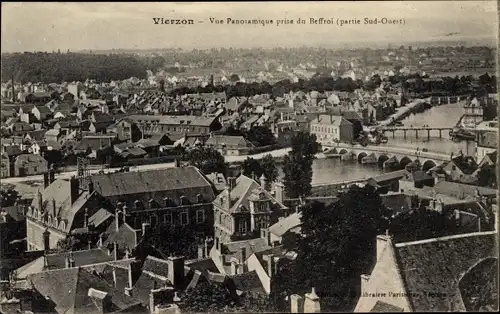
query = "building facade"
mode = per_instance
[{"x": 331, "y": 129}]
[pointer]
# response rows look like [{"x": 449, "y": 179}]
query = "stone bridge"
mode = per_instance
[{"x": 383, "y": 153}]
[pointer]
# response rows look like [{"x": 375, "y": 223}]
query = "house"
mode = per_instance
[
  {"x": 64, "y": 205},
  {"x": 5, "y": 170},
  {"x": 242, "y": 210},
  {"x": 330, "y": 128},
  {"x": 92, "y": 144},
  {"x": 41, "y": 113},
  {"x": 99, "y": 127},
  {"x": 174, "y": 125},
  {"x": 489, "y": 159},
  {"x": 20, "y": 128},
  {"x": 284, "y": 227},
  {"x": 230, "y": 145},
  {"x": 126, "y": 130},
  {"x": 180, "y": 195},
  {"x": 53, "y": 135},
  {"x": 460, "y": 167},
  {"x": 129, "y": 151},
  {"x": 37, "y": 147},
  {"x": 416, "y": 179},
  {"x": 154, "y": 144},
  {"x": 486, "y": 143},
  {"x": 434, "y": 275},
  {"x": 29, "y": 165}
]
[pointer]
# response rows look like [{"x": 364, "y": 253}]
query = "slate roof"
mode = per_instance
[
  {"x": 125, "y": 238},
  {"x": 81, "y": 258},
  {"x": 465, "y": 163},
  {"x": 157, "y": 184},
  {"x": 174, "y": 120},
  {"x": 460, "y": 191},
  {"x": 58, "y": 195},
  {"x": 248, "y": 282},
  {"x": 286, "y": 224},
  {"x": 95, "y": 142},
  {"x": 382, "y": 307},
  {"x": 437, "y": 265},
  {"x": 99, "y": 217},
  {"x": 68, "y": 289},
  {"x": 389, "y": 176},
  {"x": 331, "y": 120},
  {"x": 241, "y": 192}
]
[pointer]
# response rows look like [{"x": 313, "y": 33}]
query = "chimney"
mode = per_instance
[
  {"x": 382, "y": 242},
  {"x": 311, "y": 302},
  {"x": 279, "y": 190},
  {"x": 90, "y": 186},
  {"x": 101, "y": 299},
  {"x": 176, "y": 270},
  {"x": 364, "y": 282},
  {"x": 177, "y": 163},
  {"x": 46, "y": 240},
  {"x": 164, "y": 295},
  {"x": 52, "y": 176},
  {"x": 115, "y": 251},
  {"x": 207, "y": 247},
  {"x": 263, "y": 181},
  {"x": 86, "y": 218},
  {"x": 118, "y": 213},
  {"x": 89, "y": 244},
  {"x": 46, "y": 182},
  {"x": 70, "y": 262},
  {"x": 124, "y": 214},
  {"x": 244, "y": 254},
  {"x": 75, "y": 189},
  {"x": 40, "y": 201},
  {"x": 296, "y": 303},
  {"x": 100, "y": 240},
  {"x": 270, "y": 265},
  {"x": 201, "y": 251},
  {"x": 128, "y": 289},
  {"x": 145, "y": 228}
]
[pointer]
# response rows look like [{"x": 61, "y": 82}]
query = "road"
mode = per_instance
[{"x": 66, "y": 175}]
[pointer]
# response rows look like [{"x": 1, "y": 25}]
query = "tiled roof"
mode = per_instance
[
  {"x": 156, "y": 266},
  {"x": 174, "y": 120},
  {"x": 248, "y": 282},
  {"x": 229, "y": 141},
  {"x": 331, "y": 120},
  {"x": 437, "y": 265},
  {"x": 382, "y": 307},
  {"x": 81, "y": 258},
  {"x": 125, "y": 238},
  {"x": 172, "y": 183},
  {"x": 460, "y": 191},
  {"x": 68, "y": 289},
  {"x": 240, "y": 194},
  {"x": 286, "y": 224},
  {"x": 99, "y": 217},
  {"x": 95, "y": 142},
  {"x": 145, "y": 283}
]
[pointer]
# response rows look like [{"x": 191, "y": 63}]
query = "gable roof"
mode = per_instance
[
  {"x": 331, "y": 120},
  {"x": 229, "y": 141},
  {"x": 241, "y": 193},
  {"x": 180, "y": 180},
  {"x": 460, "y": 191},
  {"x": 68, "y": 289},
  {"x": 466, "y": 164},
  {"x": 286, "y": 224}
]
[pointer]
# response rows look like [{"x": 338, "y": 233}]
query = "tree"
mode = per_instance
[
  {"x": 234, "y": 78},
  {"x": 335, "y": 248},
  {"x": 9, "y": 196},
  {"x": 297, "y": 165},
  {"x": 207, "y": 159},
  {"x": 70, "y": 243},
  {"x": 251, "y": 168},
  {"x": 421, "y": 224},
  {"x": 168, "y": 239},
  {"x": 216, "y": 298},
  {"x": 262, "y": 135},
  {"x": 486, "y": 176},
  {"x": 269, "y": 170}
]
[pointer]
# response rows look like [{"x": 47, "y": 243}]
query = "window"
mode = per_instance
[
  {"x": 167, "y": 218},
  {"x": 242, "y": 226},
  {"x": 184, "y": 218},
  {"x": 200, "y": 216},
  {"x": 453, "y": 167},
  {"x": 152, "y": 220}
]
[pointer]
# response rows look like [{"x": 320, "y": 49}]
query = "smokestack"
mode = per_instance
[
  {"x": 176, "y": 270},
  {"x": 46, "y": 180},
  {"x": 46, "y": 240}
]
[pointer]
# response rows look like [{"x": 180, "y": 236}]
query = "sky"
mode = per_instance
[{"x": 49, "y": 26}]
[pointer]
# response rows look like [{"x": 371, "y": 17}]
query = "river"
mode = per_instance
[{"x": 330, "y": 170}]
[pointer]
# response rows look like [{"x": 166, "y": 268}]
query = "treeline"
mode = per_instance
[
  {"x": 324, "y": 82},
  {"x": 58, "y": 67}
]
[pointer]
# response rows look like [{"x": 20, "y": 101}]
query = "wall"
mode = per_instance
[
  {"x": 34, "y": 233},
  {"x": 254, "y": 264}
]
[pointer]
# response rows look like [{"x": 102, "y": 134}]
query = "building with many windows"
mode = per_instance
[{"x": 330, "y": 128}]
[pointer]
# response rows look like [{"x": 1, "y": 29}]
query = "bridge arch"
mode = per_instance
[
  {"x": 428, "y": 164},
  {"x": 343, "y": 151},
  {"x": 361, "y": 156},
  {"x": 404, "y": 161},
  {"x": 381, "y": 159}
]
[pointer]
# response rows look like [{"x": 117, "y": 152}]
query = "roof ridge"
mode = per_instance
[{"x": 446, "y": 238}]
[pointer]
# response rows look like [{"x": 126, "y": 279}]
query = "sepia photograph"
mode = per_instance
[{"x": 249, "y": 157}]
